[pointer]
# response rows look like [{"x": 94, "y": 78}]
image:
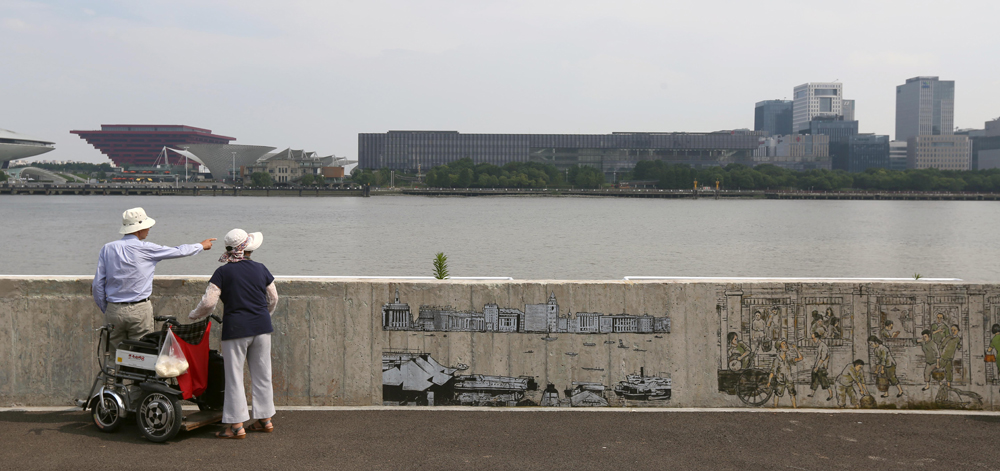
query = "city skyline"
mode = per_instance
[{"x": 273, "y": 75}]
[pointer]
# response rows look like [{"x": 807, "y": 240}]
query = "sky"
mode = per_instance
[{"x": 312, "y": 75}]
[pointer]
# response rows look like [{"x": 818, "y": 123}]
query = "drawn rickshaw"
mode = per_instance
[{"x": 751, "y": 384}]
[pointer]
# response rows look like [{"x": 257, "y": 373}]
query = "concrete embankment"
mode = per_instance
[{"x": 557, "y": 343}]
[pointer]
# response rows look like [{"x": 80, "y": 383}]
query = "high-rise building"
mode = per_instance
[
  {"x": 986, "y": 146},
  {"x": 848, "y": 107},
  {"x": 773, "y": 116},
  {"x": 816, "y": 99},
  {"x": 840, "y": 133},
  {"x": 867, "y": 151},
  {"x": 945, "y": 152},
  {"x": 141, "y": 144},
  {"x": 925, "y": 106},
  {"x": 897, "y": 155}
]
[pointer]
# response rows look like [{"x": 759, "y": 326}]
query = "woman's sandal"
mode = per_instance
[
  {"x": 232, "y": 432},
  {"x": 261, "y": 425}
]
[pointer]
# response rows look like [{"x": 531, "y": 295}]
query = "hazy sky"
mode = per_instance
[{"x": 314, "y": 74}]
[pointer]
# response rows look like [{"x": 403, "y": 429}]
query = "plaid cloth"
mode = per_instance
[{"x": 192, "y": 333}]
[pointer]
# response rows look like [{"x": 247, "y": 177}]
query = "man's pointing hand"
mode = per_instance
[{"x": 207, "y": 243}]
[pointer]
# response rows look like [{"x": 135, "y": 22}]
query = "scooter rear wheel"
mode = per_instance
[
  {"x": 158, "y": 416},
  {"x": 107, "y": 415}
]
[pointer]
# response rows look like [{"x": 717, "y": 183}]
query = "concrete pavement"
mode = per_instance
[{"x": 503, "y": 439}]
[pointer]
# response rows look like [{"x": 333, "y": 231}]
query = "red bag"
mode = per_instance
[{"x": 194, "y": 382}]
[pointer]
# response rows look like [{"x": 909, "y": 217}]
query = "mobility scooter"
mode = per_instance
[{"x": 129, "y": 384}]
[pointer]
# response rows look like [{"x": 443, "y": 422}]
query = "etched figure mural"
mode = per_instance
[
  {"x": 914, "y": 339},
  {"x": 415, "y": 377}
]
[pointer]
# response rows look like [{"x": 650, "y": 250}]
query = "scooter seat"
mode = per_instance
[{"x": 131, "y": 344}]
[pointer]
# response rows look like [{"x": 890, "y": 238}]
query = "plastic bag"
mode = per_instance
[{"x": 171, "y": 363}]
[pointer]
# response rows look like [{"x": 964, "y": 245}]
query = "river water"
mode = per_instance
[{"x": 524, "y": 237}]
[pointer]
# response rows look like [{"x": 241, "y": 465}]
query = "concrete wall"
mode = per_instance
[{"x": 329, "y": 340}]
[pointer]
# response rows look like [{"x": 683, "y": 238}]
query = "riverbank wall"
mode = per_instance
[{"x": 676, "y": 343}]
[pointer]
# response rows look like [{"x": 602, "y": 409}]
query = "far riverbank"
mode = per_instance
[{"x": 227, "y": 190}]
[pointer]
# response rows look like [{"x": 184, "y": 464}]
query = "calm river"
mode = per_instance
[{"x": 524, "y": 237}]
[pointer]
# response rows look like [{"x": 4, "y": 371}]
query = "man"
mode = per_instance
[
  {"x": 738, "y": 351},
  {"x": 124, "y": 278},
  {"x": 851, "y": 376},
  {"x": 948, "y": 347},
  {"x": 884, "y": 365},
  {"x": 932, "y": 357},
  {"x": 994, "y": 348},
  {"x": 820, "y": 378},
  {"x": 939, "y": 329},
  {"x": 887, "y": 332},
  {"x": 782, "y": 377}
]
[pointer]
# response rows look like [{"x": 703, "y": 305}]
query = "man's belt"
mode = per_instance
[{"x": 134, "y": 302}]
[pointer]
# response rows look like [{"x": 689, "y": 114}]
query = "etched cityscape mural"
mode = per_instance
[
  {"x": 857, "y": 345},
  {"x": 415, "y": 377},
  {"x": 540, "y": 318}
]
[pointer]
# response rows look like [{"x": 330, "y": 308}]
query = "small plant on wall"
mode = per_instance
[{"x": 441, "y": 266}]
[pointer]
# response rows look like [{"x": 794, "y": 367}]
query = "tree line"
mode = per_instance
[
  {"x": 466, "y": 174},
  {"x": 762, "y": 177}
]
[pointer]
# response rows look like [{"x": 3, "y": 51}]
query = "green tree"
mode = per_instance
[
  {"x": 3, "y": 176},
  {"x": 464, "y": 178},
  {"x": 306, "y": 180},
  {"x": 257, "y": 178}
]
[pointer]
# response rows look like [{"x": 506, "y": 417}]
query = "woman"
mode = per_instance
[{"x": 247, "y": 290}]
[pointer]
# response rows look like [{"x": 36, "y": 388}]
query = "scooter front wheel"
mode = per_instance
[
  {"x": 158, "y": 416},
  {"x": 108, "y": 415}
]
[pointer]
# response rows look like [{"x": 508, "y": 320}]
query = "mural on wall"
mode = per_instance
[
  {"x": 852, "y": 345},
  {"x": 413, "y": 377},
  {"x": 536, "y": 318}
]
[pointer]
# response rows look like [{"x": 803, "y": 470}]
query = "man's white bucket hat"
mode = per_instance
[
  {"x": 236, "y": 237},
  {"x": 135, "y": 220}
]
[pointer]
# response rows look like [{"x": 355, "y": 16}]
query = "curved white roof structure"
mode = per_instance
[
  {"x": 18, "y": 146},
  {"x": 219, "y": 157}
]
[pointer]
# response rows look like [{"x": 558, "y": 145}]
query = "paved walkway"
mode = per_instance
[{"x": 500, "y": 439}]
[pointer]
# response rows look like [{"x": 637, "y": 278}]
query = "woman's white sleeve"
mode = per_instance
[
  {"x": 207, "y": 304},
  {"x": 272, "y": 298}
]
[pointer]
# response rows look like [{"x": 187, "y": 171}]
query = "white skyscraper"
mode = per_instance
[
  {"x": 925, "y": 106},
  {"x": 816, "y": 99}
]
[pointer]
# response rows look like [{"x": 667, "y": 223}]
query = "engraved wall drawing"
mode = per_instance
[{"x": 854, "y": 345}]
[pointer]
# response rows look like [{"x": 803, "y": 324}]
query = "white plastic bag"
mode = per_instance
[{"x": 171, "y": 362}]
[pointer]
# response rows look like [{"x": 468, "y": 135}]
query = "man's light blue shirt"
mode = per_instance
[{"x": 125, "y": 269}]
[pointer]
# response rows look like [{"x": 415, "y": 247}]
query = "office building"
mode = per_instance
[
  {"x": 795, "y": 152},
  {"x": 610, "y": 153},
  {"x": 945, "y": 152},
  {"x": 925, "y": 106},
  {"x": 867, "y": 151},
  {"x": 134, "y": 144},
  {"x": 897, "y": 155},
  {"x": 18, "y": 146},
  {"x": 773, "y": 116},
  {"x": 816, "y": 99},
  {"x": 840, "y": 133},
  {"x": 848, "y": 110},
  {"x": 986, "y": 146}
]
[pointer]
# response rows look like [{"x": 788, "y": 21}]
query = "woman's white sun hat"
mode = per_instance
[
  {"x": 135, "y": 220},
  {"x": 236, "y": 237}
]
